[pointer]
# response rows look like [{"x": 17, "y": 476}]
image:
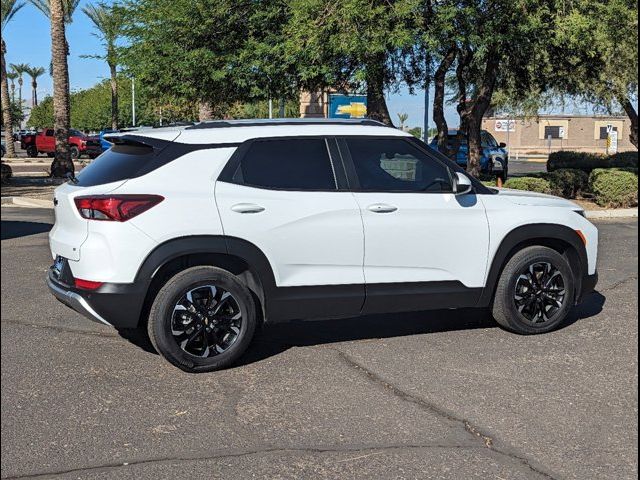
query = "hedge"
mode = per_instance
[
  {"x": 588, "y": 162},
  {"x": 531, "y": 184},
  {"x": 569, "y": 182},
  {"x": 614, "y": 188}
]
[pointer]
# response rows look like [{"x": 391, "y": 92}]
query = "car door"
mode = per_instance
[
  {"x": 424, "y": 246},
  {"x": 282, "y": 196}
]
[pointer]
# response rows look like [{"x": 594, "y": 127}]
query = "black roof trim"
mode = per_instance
[{"x": 284, "y": 121}]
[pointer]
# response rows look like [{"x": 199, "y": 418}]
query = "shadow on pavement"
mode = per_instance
[
  {"x": 14, "y": 229},
  {"x": 274, "y": 339}
]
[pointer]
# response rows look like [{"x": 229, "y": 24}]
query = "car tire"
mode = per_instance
[
  {"x": 32, "y": 151},
  {"x": 74, "y": 152},
  {"x": 535, "y": 292},
  {"x": 182, "y": 341}
]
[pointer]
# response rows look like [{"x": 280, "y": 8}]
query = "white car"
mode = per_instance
[{"x": 201, "y": 233}]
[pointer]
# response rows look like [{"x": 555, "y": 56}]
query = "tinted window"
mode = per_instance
[
  {"x": 49, "y": 133},
  {"x": 294, "y": 164},
  {"x": 75, "y": 133},
  {"x": 118, "y": 163},
  {"x": 396, "y": 165}
]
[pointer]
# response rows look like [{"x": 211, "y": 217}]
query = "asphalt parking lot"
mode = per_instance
[{"x": 425, "y": 395}]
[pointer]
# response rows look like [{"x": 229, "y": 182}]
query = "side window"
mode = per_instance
[
  {"x": 394, "y": 165},
  {"x": 49, "y": 133},
  {"x": 491, "y": 141},
  {"x": 291, "y": 164}
]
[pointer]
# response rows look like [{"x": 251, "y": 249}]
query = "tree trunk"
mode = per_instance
[
  {"x": 439, "y": 80},
  {"x": 62, "y": 165},
  {"x": 7, "y": 116},
  {"x": 376, "y": 103},
  {"x": 114, "y": 96},
  {"x": 34, "y": 94},
  {"x": 477, "y": 109},
  {"x": 205, "y": 112},
  {"x": 633, "y": 116}
]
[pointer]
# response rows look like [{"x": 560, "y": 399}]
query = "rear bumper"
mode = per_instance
[{"x": 115, "y": 304}]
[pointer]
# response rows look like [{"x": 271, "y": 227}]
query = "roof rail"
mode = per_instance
[{"x": 284, "y": 121}]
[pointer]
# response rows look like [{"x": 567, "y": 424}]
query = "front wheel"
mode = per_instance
[
  {"x": 32, "y": 151},
  {"x": 74, "y": 152},
  {"x": 202, "y": 319},
  {"x": 535, "y": 293}
]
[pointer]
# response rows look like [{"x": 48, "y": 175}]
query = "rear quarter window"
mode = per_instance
[{"x": 120, "y": 162}]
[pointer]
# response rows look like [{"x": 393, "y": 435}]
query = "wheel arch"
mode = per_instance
[
  {"x": 237, "y": 256},
  {"x": 560, "y": 238}
]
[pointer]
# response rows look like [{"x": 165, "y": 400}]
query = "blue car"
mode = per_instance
[
  {"x": 495, "y": 157},
  {"x": 103, "y": 143}
]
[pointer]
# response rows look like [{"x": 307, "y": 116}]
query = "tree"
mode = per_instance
[
  {"x": 189, "y": 49},
  {"x": 356, "y": 44},
  {"x": 62, "y": 164},
  {"x": 596, "y": 50},
  {"x": 60, "y": 13},
  {"x": 402, "y": 117},
  {"x": 20, "y": 69},
  {"x": 34, "y": 73},
  {"x": 108, "y": 23},
  {"x": 8, "y": 9},
  {"x": 12, "y": 76}
]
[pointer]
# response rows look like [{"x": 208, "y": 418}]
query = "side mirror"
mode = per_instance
[
  {"x": 461, "y": 184},
  {"x": 503, "y": 145}
]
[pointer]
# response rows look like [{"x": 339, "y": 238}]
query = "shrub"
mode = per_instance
[
  {"x": 588, "y": 162},
  {"x": 569, "y": 182},
  {"x": 614, "y": 187},
  {"x": 531, "y": 184}
]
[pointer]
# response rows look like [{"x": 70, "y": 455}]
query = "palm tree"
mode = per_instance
[
  {"x": 12, "y": 76},
  {"x": 34, "y": 73},
  {"x": 8, "y": 9},
  {"x": 20, "y": 69},
  {"x": 403, "y": 117},
  {"x": 108, "y": 23},
  {"x": 60, "y": 13}
]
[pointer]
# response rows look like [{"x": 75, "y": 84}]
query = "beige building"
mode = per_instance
[{"x": 550, "y": 133}]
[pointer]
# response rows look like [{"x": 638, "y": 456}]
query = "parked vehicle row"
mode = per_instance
[
  {"x": 200, "y": 234},
  {"x": 45, "y": 142}
]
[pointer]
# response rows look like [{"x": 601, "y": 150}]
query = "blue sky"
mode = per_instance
[{"x": 28, "y": 41}]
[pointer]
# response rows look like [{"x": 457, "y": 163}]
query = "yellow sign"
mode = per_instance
[{"x": 354, "y": 110}]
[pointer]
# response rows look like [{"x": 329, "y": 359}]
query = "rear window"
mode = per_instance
[{"x": 120, "y": 162}]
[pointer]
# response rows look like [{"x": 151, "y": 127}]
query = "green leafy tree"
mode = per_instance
[
  {"x": 355, "y": 44},
  {"x": 8, "y": 9},
  {"x": 108, "y": 23},
  {"x": 595, "y": 48},
  {"x": 189, "y": 49}
]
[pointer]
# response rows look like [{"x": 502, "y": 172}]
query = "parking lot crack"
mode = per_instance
[
  {"x": 488, "y": 441},
  {"x": 361, "y": 450},
  {"x": 619, "y": 283}
]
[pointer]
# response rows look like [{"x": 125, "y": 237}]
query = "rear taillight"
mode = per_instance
[{"x": 119, "y": 208}]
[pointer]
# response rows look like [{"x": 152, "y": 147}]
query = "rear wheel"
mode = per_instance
[
  {"x": 202, "y": 319},
  {"x": 535, "y": 292}
]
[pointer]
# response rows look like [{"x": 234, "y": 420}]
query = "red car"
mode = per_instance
[{"x": 45, "y": 142}]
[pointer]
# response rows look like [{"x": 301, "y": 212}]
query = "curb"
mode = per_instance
[
  {"x": 26, "y": 202},
  {"x": 618, "y": 213}
]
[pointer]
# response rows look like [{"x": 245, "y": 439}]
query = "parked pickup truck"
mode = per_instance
[{"x": 45, "y": 142}]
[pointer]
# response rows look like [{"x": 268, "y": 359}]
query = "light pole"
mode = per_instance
[
  {"x": 133, "y": 101},
  {"x": 427, "y": 85}
]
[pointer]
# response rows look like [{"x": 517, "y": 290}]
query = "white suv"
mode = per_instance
[{"x": 202, "y": 233}]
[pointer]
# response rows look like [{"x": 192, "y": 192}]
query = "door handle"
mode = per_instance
[
  {"x": 247, "y": 208},
  {"x": 382, "y": 208}
]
